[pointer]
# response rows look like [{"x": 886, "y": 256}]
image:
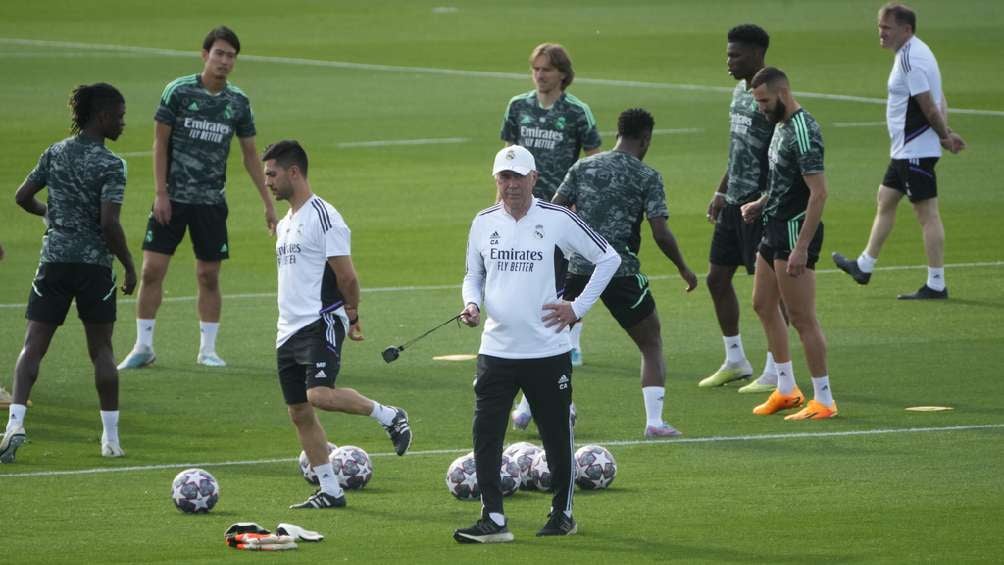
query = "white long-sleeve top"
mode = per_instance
[{"x": 519, "y": 266}]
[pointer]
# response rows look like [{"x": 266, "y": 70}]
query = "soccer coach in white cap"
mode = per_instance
[{"x": 516, "y": 261}]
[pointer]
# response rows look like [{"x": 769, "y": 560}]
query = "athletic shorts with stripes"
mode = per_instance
[
  {"x": 629, "y": 299},
  {"x": 779, "y": 237},
  {"x": 311, "y": 357}
]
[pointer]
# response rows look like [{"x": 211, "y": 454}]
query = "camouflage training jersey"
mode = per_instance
[
  {"x": 80, "y": 173},
  {"x": 554, "y": 136},
  {"x": 795, "y": 150},
  {"x": 750, "y": 135},
  {"x": 613, "y": 192},
  {"x": 202, "y": 125}
]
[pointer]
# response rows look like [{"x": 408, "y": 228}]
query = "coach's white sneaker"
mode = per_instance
[
  {"x": 110, "y": 449},
  {"x": 12, "y": 440},
  {"x": 140, "y": 356},
  {"x": 210, "y": 360}
]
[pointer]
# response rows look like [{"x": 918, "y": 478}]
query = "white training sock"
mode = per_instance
[
  {"x": 866, "y": 262},
  {"x": 734, "y": 353},
  {"x": 936, "y": 278},
  {"x": 770, "y": 369},
  {"x": 524, "y": 405},
  {"x": 785, "y": 378},
  {"x": 382, "y": 414},
  {"x": 499, "y": 519},
  {"x": 575, "y": 334},
  {"x": 144, "y": 332},
  {"x": 821, "y": 390},
  {"x": 207, "y": 336},
  {"x": 16, "y": 417},
  {"x": 653, "y": 396},
  {"x": 329, "y": 482},
  {"x": 110, "y": 420}
]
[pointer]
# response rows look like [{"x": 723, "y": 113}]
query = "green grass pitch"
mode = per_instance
[{"x": 737, "y": 489}]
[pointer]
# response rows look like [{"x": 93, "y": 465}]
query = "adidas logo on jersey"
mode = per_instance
[{"x": 493, "y": 239}]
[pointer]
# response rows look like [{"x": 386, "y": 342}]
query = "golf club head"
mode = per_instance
[{"x": 391, "y": 354}]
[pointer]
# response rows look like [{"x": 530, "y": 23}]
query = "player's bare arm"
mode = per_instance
[
  {"x": 25, "y": 198},
  {"x": 813, "y": 215},
  {"x": 718, "y": 199},
  {"x": 751, "y": 210},
  {"x": 253, "y": 167},
  {"x": 115, "y": 239},
  {"x": 666, "y": 241},
  {"x": 161, "y": 200},
  {"x": 936, "y": 117},
  {"x": 348, "y": 285}
]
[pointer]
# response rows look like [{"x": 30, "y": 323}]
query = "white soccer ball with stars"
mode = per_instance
[
  {"x": 540, "y": 474},
  {"x": 462, "y": 478},
  {"x": 523, "y": 452},
  {"x": 195, "y": 491},
  {"x": 307, "y": 471},
  {"x": 595, "y": 467},
  {"x": 352, "y": 466}
]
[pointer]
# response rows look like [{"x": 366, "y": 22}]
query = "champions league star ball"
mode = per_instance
[
  {"x": 352, "y": 466},
  {"x": 523, "y": 452},
  {"x": 540, "y": 475},
  {"x": 462, "y": 478},
  {"x": 307, "y": 470},
  {"x": 595, "y": 467},
  {"x": 195, "y": 491}
]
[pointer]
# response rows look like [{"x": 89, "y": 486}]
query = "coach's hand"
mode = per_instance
[
  {"x": 953, "y": 143},
  {"x": 715, "y": 207},
  {"x": 162, "y": 209},
  {"x": 129, "y": 284},
  {"x": 559, "y": 315},
  {"x": 355, "y": 326},
  {"x": 471, "y": 315}
]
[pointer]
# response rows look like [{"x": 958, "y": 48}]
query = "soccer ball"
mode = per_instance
[
  {"x": 540, "y": 475},
  {"x": 195, "y": 491},
  {"x": 523, "y": 452},
  {"x": 462, "y": 478},
  {"x": 352, "y": 466},
  {"x": 595, "y": 467},
  {"x": 510, "y": 476},
  {"x": 307, "y": 470}
]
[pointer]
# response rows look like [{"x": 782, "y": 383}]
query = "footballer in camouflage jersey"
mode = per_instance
[
  {"x": 202, "y": 126},
  {"x": 613, "y": 192},
  {"x": 80, "y": 173},
  {"x": 750, "y": 135},
  {"x": 555, "y": 136},
  {"x": 795, "y": 150}
]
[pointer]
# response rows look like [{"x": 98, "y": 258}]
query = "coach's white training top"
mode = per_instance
[
  {"x": 914, "y": 71},
  {"x": 307, "y": 285},
  {"x": 519, "y": 266}
]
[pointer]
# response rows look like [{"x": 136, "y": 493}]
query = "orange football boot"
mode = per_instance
[{"x": 777, "y": 402}]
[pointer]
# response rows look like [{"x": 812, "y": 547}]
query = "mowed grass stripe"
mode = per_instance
[
  {"x": 409, "y": 288},
  {"x": 451, "y": 72},
  {"x": 625, "y": 442}
]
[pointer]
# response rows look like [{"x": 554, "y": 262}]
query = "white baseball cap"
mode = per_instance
[{"x": 514, "y": 158}]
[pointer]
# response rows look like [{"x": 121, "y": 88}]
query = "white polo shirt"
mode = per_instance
[
  {"x": 519, "y": 266},
  {"x": 307, "y": 285},
  {"x": 914, "y": 71}
]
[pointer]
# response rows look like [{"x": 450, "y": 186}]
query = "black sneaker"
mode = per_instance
[
  {"x": 399, "y": 431},
  {"x": 925, "y": 293},
  {"x": 484, "y": 531},
  {"x": 559, "y": 525},
  {"x": 850, "y": 266},
  {"x": 321, "y": 499}
]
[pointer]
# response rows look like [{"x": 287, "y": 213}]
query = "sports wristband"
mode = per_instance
[{"x": 354, "y": 321}]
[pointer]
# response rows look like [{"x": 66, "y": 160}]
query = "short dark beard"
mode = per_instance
[{"x": 776, "y": 115}]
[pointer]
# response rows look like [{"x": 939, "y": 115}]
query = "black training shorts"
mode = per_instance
[
  {"x": 310, "y": 357},
  {"x": 207, "y": 226},
  {"x": 735, "y": 242},
  {"x": 57, "y": 284},
  {"x": 629, "y": 299},
  {"x": 913, "y": 177},
  {"x": 779, "y": 239}
]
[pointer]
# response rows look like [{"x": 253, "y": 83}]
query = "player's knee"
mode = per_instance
[
  {"x": 802, "y": 320},
  {"x": 300, "y": 414},
  {"x": 152, "y": 275},
  {"x": 208, "y": 279},
  {"x": 717, "y": 282}
]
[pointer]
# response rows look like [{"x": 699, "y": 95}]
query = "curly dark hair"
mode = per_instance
[
  {"x": 750, "y": 34},
  {"x": 87, "y": 100},
  {"x": 634, "y": 122}
]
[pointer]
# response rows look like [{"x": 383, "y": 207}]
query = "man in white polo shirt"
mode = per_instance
[
  {"x": 516, "y": 259},
  {"x": 318, "y": 307},
  {"x": 917, "y": 117}
]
